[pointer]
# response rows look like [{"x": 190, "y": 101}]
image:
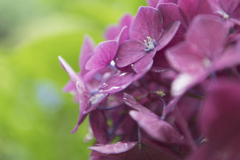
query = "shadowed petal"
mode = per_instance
[
  {"x": 116, "y": 148},
  {"x": 144, "y": 62},
  {"x": 131, "y": 102},
  {"x": 129, "y": 52},
  {"x": 95, "y": 100},
  {"x": 148, "y": 22},
  {"x": 168, "y": 34},
  {"x": 116, "y": 83},
  {"x": 220, "y": 113},
  {"x": 156, "y": 127},
  {"x": 143, "y": 72},
  {"x": 191, "y": 8},
  {"x": 160, "y": 63},
  {"x": 168, "y": 1},
  {"x": 99, "y": 126},
  {"x": 84, "y": 103},
  {"x": 171, "y": 12}
]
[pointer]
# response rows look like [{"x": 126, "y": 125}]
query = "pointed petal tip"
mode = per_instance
[
  {"x": 75, "y": 129},
  {"x": 133, "y": 114}
]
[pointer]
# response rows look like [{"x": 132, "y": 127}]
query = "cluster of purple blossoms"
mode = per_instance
[{"x": 165, "y": 84}]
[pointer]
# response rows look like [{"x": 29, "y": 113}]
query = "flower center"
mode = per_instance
[
  {"x": 150, "y": 44},
  {"x": 223, "y": 14}
]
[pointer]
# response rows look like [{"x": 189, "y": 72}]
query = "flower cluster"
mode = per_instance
[{"x": 165, "y": 83}]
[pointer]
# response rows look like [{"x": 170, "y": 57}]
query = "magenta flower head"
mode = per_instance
[{"x": 154, "y": 89}]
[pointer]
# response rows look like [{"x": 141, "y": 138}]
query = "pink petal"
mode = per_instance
[
  {"x": 168, "y": 1},
  {"x": 72, "y": 74},
  {"x": 229, "y": 6},
  {"x": 84, "y": 104},
  {"x": 229, "y": 58},
  {"x": 209, "y": 34},
  {"x": 147, "y": 23},
  {"x": 152, "y": 3},
  {"x": 219, "y": 117},
  {"x": 186, "y": 57},
  {"x": 95, "y": 100},
  {"x": 160, "y": 63},
  {"x": 143, "y": 72},
  {"x": 116, "y": 148},
  {"x": 99, "y": 126},
  {"x": 185, "y": 81},
  {"x": 144, "y": 62},
  {"x": 112, "y": 31},
  {"x": 191, "y": 8},
  {"x": 103, "y": 55},
  {"x": 116, "y": 83},
  {"x": 131, "y": 102},
  {"x": 86, "y": 51},
  {"x": 129, "y": 52},
  {"x": 157, "y": 128},
  {"x": 171, "y": 12},
  {"x": 168, "y": 34}
]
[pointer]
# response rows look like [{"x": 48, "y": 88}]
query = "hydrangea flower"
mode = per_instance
[
  {"x": 146, "y": 37},
  {"x": 165, "y": 83}
]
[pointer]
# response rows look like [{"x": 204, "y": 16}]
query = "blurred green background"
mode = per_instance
[{"x": 36, "y": 118}]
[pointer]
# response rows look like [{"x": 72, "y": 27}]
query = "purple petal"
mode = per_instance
[
  {"x": 84, "y": 104},
  {"x": 208, "y": 33},
  {"x": 147, "y": 23},
  {"x": 90, "y": 74},
  {"x": 116, "y": 83},
  {"x": 157, "y": 128},
  {"x": 220, "y": 113},
  {"x": 103, "y": 55},
  {"x": 143, "y": 72},
  {"x": 160, "y": 63},
  {"x": 99, "y": 126},
  {"x": 69, "y": 87},
  {"x": 229, "y": 58},
  {"x": 185, "y": 81},
  {"x": 95, "y": 100},
  {"x": 72, "y": 74},
  {"x": 191, "y": 8},
  {"x": 168, "y": 1},
  {"x": 168, "y": 34},
  {"x": 116, "y": 148},
  {"x": 131, "y": 102},
  {"x": 186, "y": 57},
  {"x": 144, "y": 62},
  {"x": 86, "y": 51},
  {"x": 112, "y": 31},
  {"x": 171, "y": 12},
  {"x": 152, "y": 3},
  {"x": 229, "y": 6},
  {"x": 122, "y": 35},
  {"x": 129, "y": 52}
]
